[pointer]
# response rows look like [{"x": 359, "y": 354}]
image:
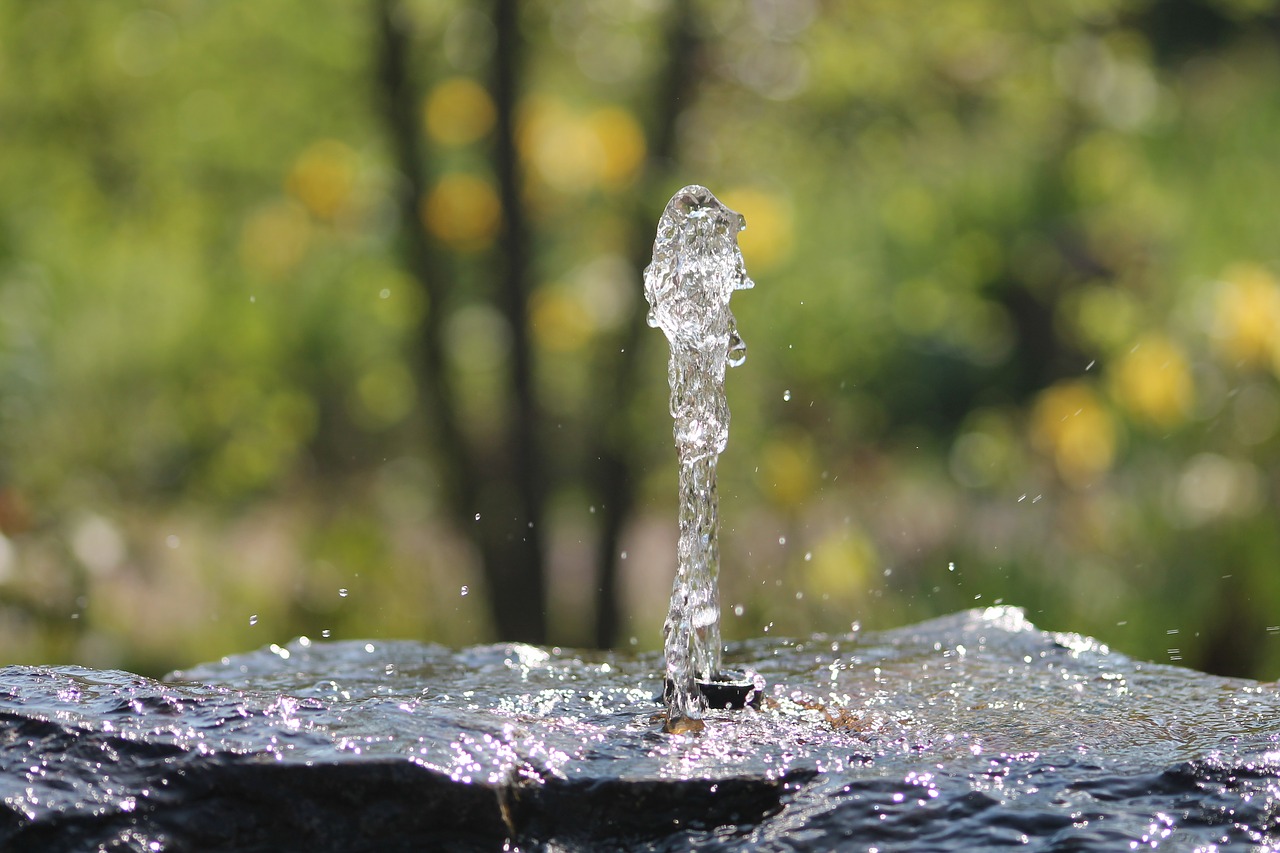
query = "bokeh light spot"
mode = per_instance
[
  {"x": 768, "y": 236},
  {"x": 458, "y": 111},
  {"x": 622, "y": 145},
  {"x": 560, "y": 323},
  {"x": 1247, "y": 316},
  {"x": 1153, "y": 382},
  {"x": 323, "y": 178},
  {"x": 274, "y": 238},
  {"x": 462, "y": 210},
  {"x": 1070, "y": 423},
  {"x": 788, "y": 470}
]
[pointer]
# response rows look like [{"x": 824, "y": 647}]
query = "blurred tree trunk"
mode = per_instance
[
  {"x": 614, "y": 481},
  {"x": 513, "y": 561},
  {"x": 505, "y": 485},
  {"x": 494, "y": 494}
]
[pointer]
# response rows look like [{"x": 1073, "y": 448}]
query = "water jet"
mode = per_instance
[{"x": 696, "y": 267}]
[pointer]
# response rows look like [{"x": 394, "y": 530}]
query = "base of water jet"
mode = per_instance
[{"x": 730, "y": 690}]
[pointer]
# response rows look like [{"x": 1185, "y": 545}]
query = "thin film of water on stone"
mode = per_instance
[
  {"x": 696, "y": 267},
  {"x": 972, "y": 731}
]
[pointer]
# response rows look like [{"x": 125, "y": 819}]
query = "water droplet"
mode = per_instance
[
  {"x": 799, "y": 596},
  {"x": 368, "y": 647},
  {"x": 786, "y": 396},
  {"x": 624, "y": 555},
  {"x": 344, "y": 592},
  {"x": 477, "y": 516},
  {"x": 326, "y": 633},
  {"x": 782, "y": 540},
  {"x": 767, "y": 627},
  {"x": 951, "y": 567},
  {"x": 253, "y": 620},
  {"x": 738, "y": 610},
  {"x": 808, "y": 556},
  {"x": 465, "y": 590},
  {"x": 385, "y": 293},
  {"x": 172, "y": 541}
]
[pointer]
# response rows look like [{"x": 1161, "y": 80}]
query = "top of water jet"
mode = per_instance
[{"x": 696, "y": 266}]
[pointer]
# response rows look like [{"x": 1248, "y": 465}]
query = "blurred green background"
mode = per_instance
[{"x": 324, "y": 317}]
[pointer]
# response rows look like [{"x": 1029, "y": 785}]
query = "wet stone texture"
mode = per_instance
[{"x": 972, "y": 731}]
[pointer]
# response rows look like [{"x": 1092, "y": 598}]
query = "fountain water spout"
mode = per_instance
[{"x": 696, "y": 267}]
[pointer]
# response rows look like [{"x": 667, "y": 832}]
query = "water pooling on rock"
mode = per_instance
[
  {"x": 696, "y": 267},
  {"x": 972, "y": 731}
]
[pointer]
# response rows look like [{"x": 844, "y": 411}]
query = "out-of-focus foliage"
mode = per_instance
[{"x": 1015, "y": 336}]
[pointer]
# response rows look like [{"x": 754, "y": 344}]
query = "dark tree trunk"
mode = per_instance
[
  {"x": 500, "y": 485},
  {"x": 514, "y": 560},
  {"x": 423, "y": 260}
]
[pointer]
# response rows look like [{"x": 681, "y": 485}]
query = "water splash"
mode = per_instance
[{"x": 696, "y": 267}]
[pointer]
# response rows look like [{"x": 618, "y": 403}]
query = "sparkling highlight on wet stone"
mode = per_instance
[{"x": 973, "y": 731}]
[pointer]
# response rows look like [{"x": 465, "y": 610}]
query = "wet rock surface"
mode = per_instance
[{"x": 975, "y": 730}]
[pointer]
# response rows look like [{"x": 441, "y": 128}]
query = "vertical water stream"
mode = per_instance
[{"x": 696, "y": 267}]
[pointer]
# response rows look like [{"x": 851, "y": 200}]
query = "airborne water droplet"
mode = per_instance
[
  {"x": 344, "y": 592},
  {"x": 465, "y": 590},
  {"x": 253, "y": 620},
  {"x": 786, "y": 396}
]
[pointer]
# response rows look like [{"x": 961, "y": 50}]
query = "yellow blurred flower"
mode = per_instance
[
  {"x": 462, "y": 210},
  {"x": 1070, "y": 424},
  {"x": 767, "y": 238},
  {"x": 622, "y": 146},
  {"x": 323, "y": 178},
  {"x": 562, "y": 149},
  {"x": 274, "y": 238},
  {"x": 788, "y": 470},
  {"x": 574, "y": 154},
  {"x": 1153, "y": 381},
  {"x": 559, "y": 322},
  {"x": 841, "y": 566},
  {"x": 1246, "y": 321},
  {"x": 458, "y": 111}
]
